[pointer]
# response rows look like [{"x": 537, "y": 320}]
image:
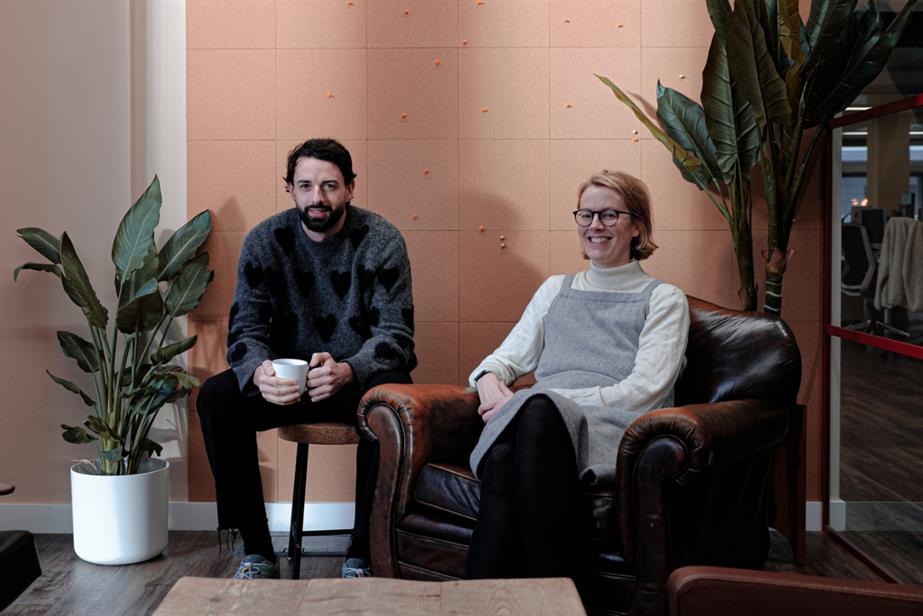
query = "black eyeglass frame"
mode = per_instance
[{"x": 599, "y": 214}]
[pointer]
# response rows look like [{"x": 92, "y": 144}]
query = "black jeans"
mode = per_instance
[
  {"x": 230, "y": 421},
  {"x": 530, "y": 508}
]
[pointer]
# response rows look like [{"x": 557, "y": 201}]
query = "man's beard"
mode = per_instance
[{"x": 322, "y": 224}]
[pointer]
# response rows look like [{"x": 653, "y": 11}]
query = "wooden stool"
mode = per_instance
[{"x": 321, "y": 433}]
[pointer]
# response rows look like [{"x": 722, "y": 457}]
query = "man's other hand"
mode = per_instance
[
  {"x": 326, "y": 376},
  {"x": 273, "y": 388}
]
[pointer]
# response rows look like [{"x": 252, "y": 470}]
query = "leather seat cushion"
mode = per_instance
[
  {"x": 18, "y": 564},
  {"x": 452, "y": 493}
]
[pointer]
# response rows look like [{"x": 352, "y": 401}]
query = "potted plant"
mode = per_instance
[
  {"x": 770, "y": 87},
  {"x": 120, "y": 499}
]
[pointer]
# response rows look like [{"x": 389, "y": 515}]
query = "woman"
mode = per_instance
[{"x": 606, "y": 346}]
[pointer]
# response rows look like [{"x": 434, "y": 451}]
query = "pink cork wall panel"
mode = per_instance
[
  {"x": 223, "y": 249},
  {"x": 511, "y": 23},
  {"x": 331, "y": 472},
  {"x": 320, "y": 24},
  {"x": 680, "y": 69},
  {"x": 230, "y": 24},
  {"x": 322, "y": 92},
  {"x": 437, "y": 352},
  {"x": 572, "y": 162},
  {"x": 503, "y": 93},
  {"x": 581, "y": 106},
  {"x": 677, "y": 204},
  {"x": 413, "y": 93},
  {"x": 585, "y": 23},
  {"x": 565, "y": 255},
  {"x": 497, "y": 277},
  {"x": 412, "y": 23},
  {"x": 503, "y": 184},
  {"x": 675, "y": 24},
  {"x": 233, "y": 179},
  {"x": 414, "y": 184},
  {"x": 434, "y": 267},
  {"x": 218, "y": 107}
]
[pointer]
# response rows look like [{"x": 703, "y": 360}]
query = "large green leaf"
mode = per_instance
[
  {"x": 100, "y": 427},
  {"x": 728, "y": 116},
  {"x": 752, "y": 68},
  {"x": 40, "y": 267},
  {"x": 79, "y": 349},
  {"x": 680, "y": 154},
  {"x": 76, "y": 435},
  {"x": 143, "y": 310},
  {"x": 790, "y": 27},
  {"x": 183, "y": 245},
  {"x": 719, "y": 11},
  {"x": 187, "y": 289},
  {"x": 170, "y": 351},
  {"x": 43, "y": 242},
  {"x": 826, "y": 20},
  {"x": 865, "y": 63},
  {"x": 134, "y": 239},
  {"x": 77, "y": 285},
  {"x": 73, "y": 388},
  {"x": 767, "y": 14},
  {"x": 684, "y": 120}
]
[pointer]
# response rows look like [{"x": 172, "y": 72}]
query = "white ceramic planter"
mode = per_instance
[{"x": 121, "y": 519}]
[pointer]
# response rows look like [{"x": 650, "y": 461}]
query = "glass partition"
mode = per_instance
[{"x": 875, "y": 478}]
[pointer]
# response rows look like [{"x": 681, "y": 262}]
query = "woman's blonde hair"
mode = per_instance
[{"x": 638, "y": 201}]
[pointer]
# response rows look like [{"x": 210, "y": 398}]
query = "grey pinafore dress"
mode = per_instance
[{"x": 591, "y": 340}]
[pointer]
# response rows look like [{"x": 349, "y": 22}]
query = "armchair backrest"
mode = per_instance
[{"x": 736, "y": 355}]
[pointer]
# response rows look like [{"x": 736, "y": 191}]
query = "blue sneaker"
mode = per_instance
[
  {"x": 256, "y": 567},
  {"x": 356, "y": 568}
]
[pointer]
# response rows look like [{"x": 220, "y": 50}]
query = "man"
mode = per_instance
[{"x": 326, "y": 282}]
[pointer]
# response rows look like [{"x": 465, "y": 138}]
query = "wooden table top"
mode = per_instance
[{"x": 379, "y": 596}]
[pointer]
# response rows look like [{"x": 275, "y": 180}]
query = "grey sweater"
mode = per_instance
[{"x": 349, "y": 295}]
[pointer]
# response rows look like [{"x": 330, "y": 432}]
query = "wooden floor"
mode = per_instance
[{"x": 73, "y": 587}]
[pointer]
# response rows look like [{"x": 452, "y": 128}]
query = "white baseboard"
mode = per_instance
[
  {"x": 53, "y": 518},
  {"x": 56, "y": 518},
  {"x": 814, "y": 516}
]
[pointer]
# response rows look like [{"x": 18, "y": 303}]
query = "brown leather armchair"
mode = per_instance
[
  {"x": 693, "y": 483},
  {"x": 705, "y": 591}
]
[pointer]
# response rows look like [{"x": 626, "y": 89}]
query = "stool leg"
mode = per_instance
[{"x": 296, "y": 528}]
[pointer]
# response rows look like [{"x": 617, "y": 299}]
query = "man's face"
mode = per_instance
[{"x": 321, "y": 196}]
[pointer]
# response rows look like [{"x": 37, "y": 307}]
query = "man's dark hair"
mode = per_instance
[{"x": 329, "y": 150}]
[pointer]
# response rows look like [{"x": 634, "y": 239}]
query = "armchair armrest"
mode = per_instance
[
  {"x": 714, "y": 590},
  {"x": 414, "y": 425},
  {"x": 674, "y": 446}
]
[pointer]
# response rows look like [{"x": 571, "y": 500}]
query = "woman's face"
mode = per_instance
[{"x": 606, "y": 246}]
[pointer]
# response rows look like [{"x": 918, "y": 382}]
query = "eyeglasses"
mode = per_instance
[{"x": 608, "y": 217}]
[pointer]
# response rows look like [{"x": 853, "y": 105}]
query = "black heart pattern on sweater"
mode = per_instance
[
  {"x": 325, "y": 326},
  {"x": 239, "y": 352},
  {"x": 274, "y": 280},
  {"x": 254, "y": 274},
  {"x": 383, "y": 350},
  {"x": 363, "y": 324},
  {"x": 357, "y": 235},
  {"x": 285, "y": 238},
  {"x": 341, "y": 282},
  {"x": 407, "y": 314},
  {"x": 305, "y": 282},
  {"x": 387, "y": 276}
]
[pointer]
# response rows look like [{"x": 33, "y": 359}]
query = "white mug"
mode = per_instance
[{"x": 294, "y": 369}]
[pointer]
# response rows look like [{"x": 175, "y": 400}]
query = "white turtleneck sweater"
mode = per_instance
[{"x": 661, "y": 348}]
